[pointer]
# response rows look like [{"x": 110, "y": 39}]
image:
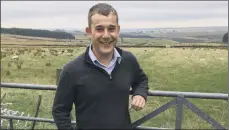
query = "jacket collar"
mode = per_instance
[{"x": 87, "y": 57}]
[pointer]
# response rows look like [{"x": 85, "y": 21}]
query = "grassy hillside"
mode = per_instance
[{"x": 193, "y": 70}]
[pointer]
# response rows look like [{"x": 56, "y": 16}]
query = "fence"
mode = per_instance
[{"x": 179, "y": 100}]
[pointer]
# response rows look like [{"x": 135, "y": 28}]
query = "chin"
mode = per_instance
[{"x": 106, "y": 50}]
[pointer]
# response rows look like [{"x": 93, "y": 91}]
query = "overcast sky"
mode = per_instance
[{"x": 132, "y": 14}]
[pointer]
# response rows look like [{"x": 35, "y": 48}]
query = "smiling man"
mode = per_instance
[{"x": 98, "y": 81}]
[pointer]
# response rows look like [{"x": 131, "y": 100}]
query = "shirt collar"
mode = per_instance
[{"x": 94, "y": 59}]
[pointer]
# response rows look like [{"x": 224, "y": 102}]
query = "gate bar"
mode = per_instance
[{"x": 150, "y": 93}]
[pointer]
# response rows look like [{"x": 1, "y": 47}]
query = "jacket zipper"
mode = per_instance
[
  {"x": 102, "y": 70},
  {"x": 114, "y": 70}
]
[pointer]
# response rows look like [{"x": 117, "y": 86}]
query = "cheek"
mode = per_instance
[
  {"x": 114, "y": 35},
  {"x": 96, "y": 36}
]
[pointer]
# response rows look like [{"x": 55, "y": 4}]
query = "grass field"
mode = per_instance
[
  {"x": 147, "y": 41},
  {"x": 193, "y": 70}
]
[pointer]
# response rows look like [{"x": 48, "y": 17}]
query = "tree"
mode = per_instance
[
  {"x": 38, "y": 33},
  {"x": 225, "y": 38}
]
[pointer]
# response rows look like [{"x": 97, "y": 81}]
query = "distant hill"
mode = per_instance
[
  {"x": 179, "y": 29},
  {"x": 76, "y": 32},
  {"x": 125, "y": 35},
  {"x": 180, "y": 35},
  {"x": 72, "y": 31},
  {"x": 58, "y": 34}
]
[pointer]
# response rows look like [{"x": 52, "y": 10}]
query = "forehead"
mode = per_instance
[{"x": 98, "y": 19}]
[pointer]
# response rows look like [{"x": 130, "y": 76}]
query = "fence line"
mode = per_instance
[
  {"x": 179, "y": 100},
  {"x": 150, "y": 92}
]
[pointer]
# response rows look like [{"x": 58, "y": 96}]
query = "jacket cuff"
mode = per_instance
[{"x": 141, "y": 92}]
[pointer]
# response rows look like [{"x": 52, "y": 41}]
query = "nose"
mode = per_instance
[{"x": 106, "y": 34}]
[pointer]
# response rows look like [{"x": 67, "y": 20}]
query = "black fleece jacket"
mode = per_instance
[{"x": 101, "y": 100}]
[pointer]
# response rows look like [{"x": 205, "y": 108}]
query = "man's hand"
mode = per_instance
[{"x": 138, "y": 102}]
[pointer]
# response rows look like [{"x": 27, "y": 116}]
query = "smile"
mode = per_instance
[{"x": 106, "y": 43}]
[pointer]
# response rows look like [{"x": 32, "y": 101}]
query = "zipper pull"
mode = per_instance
[{"x": 110, "y": 77}]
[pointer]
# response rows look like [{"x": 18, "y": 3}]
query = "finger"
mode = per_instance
[
  {"x": 140, "y": 105},
  {"x": 134, "y": 103},
  {"x": 142, "y": 102},
  {"x": 137, "y": 104}
]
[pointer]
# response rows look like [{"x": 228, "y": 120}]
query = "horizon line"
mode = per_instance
[{"x": 125, "y": 28}]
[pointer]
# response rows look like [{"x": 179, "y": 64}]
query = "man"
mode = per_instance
[{"x": 98, "y": 81}]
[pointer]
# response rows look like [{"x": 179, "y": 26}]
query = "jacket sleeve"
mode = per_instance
[
  {"x": 63, "y": 101},
  {"x": 140, "y": 80}
]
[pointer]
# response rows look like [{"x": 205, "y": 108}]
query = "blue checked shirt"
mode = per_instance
[{"x": 111, "y": 65}]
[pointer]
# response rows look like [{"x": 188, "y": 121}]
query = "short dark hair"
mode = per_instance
[{"x": 103, "y": 9}]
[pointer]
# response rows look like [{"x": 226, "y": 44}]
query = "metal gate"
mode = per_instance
[{"x": 179, "y": 101}]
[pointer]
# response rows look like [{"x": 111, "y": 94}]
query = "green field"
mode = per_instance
[{"x": 190, "y": 70}]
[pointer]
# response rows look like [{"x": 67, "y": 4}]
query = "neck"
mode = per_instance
[{"x": 104, "y": 59}]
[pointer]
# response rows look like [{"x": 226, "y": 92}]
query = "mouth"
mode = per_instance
[{"x": 106, "y": 43}]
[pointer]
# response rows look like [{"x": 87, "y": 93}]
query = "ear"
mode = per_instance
[
  {"x": 118, "y": 29},
  {"x": 88, "y": 30}
]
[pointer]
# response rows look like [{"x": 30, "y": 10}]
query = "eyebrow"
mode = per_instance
[
  {"x": 99, "y": 26},
  {"x": 110, "y": 26}
]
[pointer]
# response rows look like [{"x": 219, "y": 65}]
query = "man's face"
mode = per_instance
[{"x": 104, "y": 33}]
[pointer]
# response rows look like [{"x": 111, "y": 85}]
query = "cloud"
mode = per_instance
[{"x": 66, "y": 14}]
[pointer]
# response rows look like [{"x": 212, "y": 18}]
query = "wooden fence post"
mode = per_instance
[{"x": 58, "y": 71}]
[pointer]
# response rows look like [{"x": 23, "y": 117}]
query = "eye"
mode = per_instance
[
  {"x": 99, "y": 29},
  {"x": 111, "y": 29}
]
